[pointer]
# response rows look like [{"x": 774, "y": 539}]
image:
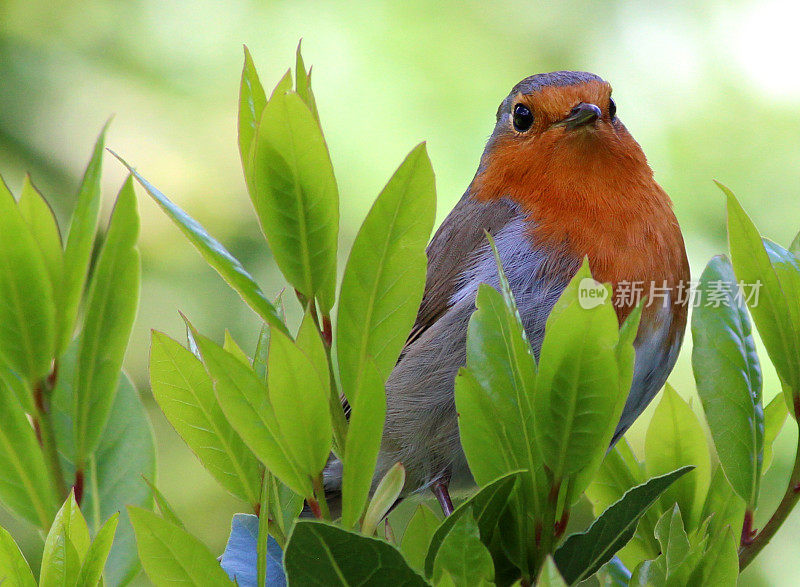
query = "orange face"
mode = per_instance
[{"x": 559, "y": 151}]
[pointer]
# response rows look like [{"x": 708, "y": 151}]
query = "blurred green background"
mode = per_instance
[{"x": 710, "y": 89}]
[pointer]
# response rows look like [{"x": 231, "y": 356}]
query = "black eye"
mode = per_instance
[
  {"x": 612, "y": 108},
  {"x": 523, "y": 118}
]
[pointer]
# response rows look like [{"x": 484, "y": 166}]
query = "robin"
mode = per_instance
[{"x": 560, "y": 178}]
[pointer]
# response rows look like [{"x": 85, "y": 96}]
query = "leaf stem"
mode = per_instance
[
  {"x": 750, "y": 548},
  {"x": 319, "y": 494},
  {"x": 44, "y": 430},
  {"x": 263, "y": 529}
]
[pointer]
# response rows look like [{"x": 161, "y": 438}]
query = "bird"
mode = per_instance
[{"x": 560, "y": 179}]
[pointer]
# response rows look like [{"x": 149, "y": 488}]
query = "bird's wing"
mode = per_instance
[{"x": 451, "y": 251}]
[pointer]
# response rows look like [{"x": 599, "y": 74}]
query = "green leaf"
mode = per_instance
[
  {"x": 299, "y": 396},
  {"x": 125, "y": 455},
  {"x": 244, "y": 399},
  {"x": 723, "y": 507},
  {"x": 549, "y": 575},
  {"x": 43, "y": 227},
  {"x": 13, "y": 384},
  {"x": 774, "y": 417},
  {"x": 584, "y": 553},
  {"x": 417, "y": 536},
  {"x": 795, "y": 246},
  {"x": 284, "y": 504},
  {"x": 485, "y": 506},
  {"x": 165, "y": 509},
  {"x": 577, "y": 400},
  {"x": 185, "y": 393},
  {"x": 25, "y": 486},
  {"x": 675, "y": 439},
  {"x": 262, "y": 352},
  {"x": 171, "y": 555},
  {"x": 14, "y": 569},
  {"x": 27, "y": 311},
  {"x": 385, "y": 274},
  {"x": 317, "y": 550},
  {"x": 295, "y": 196},
  {"x": 772, "y": 312},
  {"x": 65, "y": 547},
  {"x": 216, "y": 255},
  {"x": 230, "y": 345},
  {"x": 95, "y": 560},
  {"x": 110, "y": 312},
  {"x": 367, "y": 413},
  {"x": 251, "y": 104},
  {"x": 463, "y": 556},
  {"x": 303, "y": 84},
  {"x": 385, "y": 496},
  {"x": 80, "y": 242},
  {"x": 728, "y": 376},
  {"x": 720, "y": 563}
]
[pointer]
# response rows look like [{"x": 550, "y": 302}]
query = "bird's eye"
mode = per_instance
[
  {"x": 523, "y": 118},
  {"x": 612, "y": 108}
]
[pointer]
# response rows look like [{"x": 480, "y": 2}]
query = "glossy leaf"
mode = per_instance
[
  {"x": 27, "y": 311},
  {"x": 80, "y": 242},
  {"x": 285, "y": 505},
  {"x": 772, "y": 312},
  {"x": 303, "y": 83},
  {"x": 245, "y": 401},
  {"x": 584, "y": 553},
  {"x": 463, "y": 556},
  {"x": 13, "y": 385},
  {"x": 110, "y": 311},
  {"x": 774, "y": 417},
  {"x": 295, "y": 196},
  {"x": 25, "y": 486},
  {"x": 485, "y": 506},
  {"x": 385, "y": 496},
  {"x": 367, "y": 414},
  {"x": 317, "y": 549},
  {"x": 125, "y": 456},
  {"x": 14, "y": 569},
  {"x": 577, "y": 401},
  {"x": 417, "y": 536},
  {"x": 65, "y": 547},
  {"x": 251, "y": 104},
  {"x": 230, "y": 345},
  {"x": 240, "y": 557},
  {"x": 185, "y": 393},
  {"x": 675, "y": 439},
  {"x": 299, "y": 396},
  {"x": 720, "y": 563},
  {"x": 216, "y": 255},
  {"x": 96, "y": 556},
  {"x": 43, "y": 227},
  {"x": 169, "y": 554},
  {"x": 728, "y": 376},
  {"x": 385, "y": 274}
]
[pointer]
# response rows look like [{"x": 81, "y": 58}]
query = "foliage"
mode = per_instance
[{"x": 535, "y": 432}]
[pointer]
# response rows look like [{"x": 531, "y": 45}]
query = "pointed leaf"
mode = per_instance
[
  {"x": 723, "y": 507},
  {"x": 385, "y": 274},
  {"x": 65, "y": 547},
  {"x": 774, "y": 417},
  {"x": 549, "y": 575},
  {"x": 216, "y": 255},
  {"x": 417, "y": 536},
  {"x": 795, "y": 246},
  {"x": 171, "y": 555},
  {"x": 317, "y": 550},
  {"x": 110, "y": 312},
  {"x": 299, "y": 396},
  {"x": 251, "y": 103},
  {"x": 245, "y": 401},
  {"x": 185, "y": 393},
  {"x": 367, "y": 413},
  {"x": 164, "y": 507},
  {"x": 728, "y": 376},
  {"x": 295, "y": 196},
  {"x": 720, "y": 564},
  {"x": 14, "y": 569},
  {"x": 583, "y": 554},
  {"x": 27, "y": 307},
  {"x": 303, "y": 83},
  {"x": 95, "y": 560},
  {"x": 674, "y": 439},
  {"x": 80, "y": 242}
]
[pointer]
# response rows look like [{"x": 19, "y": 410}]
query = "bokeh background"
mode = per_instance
[{"x": 710, "y": 89}]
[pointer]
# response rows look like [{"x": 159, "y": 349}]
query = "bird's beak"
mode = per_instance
[{"x": 581, "y": 115}]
